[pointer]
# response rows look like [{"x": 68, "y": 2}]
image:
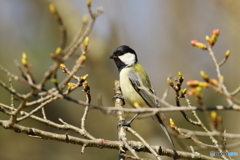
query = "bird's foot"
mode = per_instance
[
  {"x": 120, "y": 97},
  {"x": 124, "y": 123},
  {"x": 127, "y": 123}
]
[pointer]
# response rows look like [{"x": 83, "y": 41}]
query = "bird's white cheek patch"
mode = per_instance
[{"x": 128, "y": 58}]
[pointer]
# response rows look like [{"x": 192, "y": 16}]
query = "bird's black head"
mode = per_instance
[{"x": 124, "y": 56}]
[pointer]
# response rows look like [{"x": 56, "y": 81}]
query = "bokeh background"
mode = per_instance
[{"x": 159, "y": 31}]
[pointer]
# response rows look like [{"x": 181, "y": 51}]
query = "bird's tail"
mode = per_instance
[{"x": 158, "y": 117}]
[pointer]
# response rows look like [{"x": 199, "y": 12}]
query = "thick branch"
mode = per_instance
[{"x": 101, "y": 143}]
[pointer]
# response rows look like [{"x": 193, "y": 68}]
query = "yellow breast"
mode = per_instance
[{"x": 129, "y": 93}]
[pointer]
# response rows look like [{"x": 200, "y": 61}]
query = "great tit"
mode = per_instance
[{"x": 135, "y": 83}]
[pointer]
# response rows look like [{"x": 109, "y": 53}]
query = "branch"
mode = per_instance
[{"x": 101, "y": 143}]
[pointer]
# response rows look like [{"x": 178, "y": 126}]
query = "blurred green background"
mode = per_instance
[{"x": 159, "y": 31}]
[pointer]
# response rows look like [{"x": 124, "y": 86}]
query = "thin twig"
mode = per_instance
[
  {"x": 71, "y": 49},
  {"x": 43, "y": 113},
  {"x": 236, "y": 91},
  {"x": 13, "y": 117},
  {"x": 213, "y": 133},
  {"x": 11, "y": 90},
  {"x": 62, "y": 27},
  {"x": 144, "y": 142},
  {"x": 36, "y": 109},
  {"x": 88, "y": 101},
  {"x": 219, "y": 75}
]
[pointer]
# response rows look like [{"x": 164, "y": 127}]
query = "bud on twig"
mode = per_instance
[
  {"x": 70, "y": 86},
  {"x": 86, "y": 41},
  {"x": 24, "y": 59},
  {"x": 52, "y": 8},
  {"x": 184, "y": 91},
  {"x": 209, "y": 40},
  {"x": 89, "y": 2},
  {"x": 54, "y": 80},
  {"x": 195, "y": 83},
  {"x": 85, "y": 19},
  {"x": 227, "y": 54},
  {"x": 170, "y": 82},
  {"x": 195, "y": 91},
  {"x": 62, "y": 66},
  {"x": 83, "y": 78},
  {"x": 199, "y": 44},
  {"x": 216, "y": 120},
  {"x": 64, "y": 69},
  {"x": 213, "y": 115},
  {"x": 204, "y": 76},
  {"x": 180, "y": 77},
  {"x": 86, "y": 87},
  {"x": 81, "y": 59},
  {"x": 58, "y": 50},
  {"x": 213, "y": 81},
  {"x": 215, "y": 34},
  {"x": 172, "y": 125}
]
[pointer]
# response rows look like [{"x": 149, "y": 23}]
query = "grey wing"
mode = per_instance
[
  {"x": 149, "y": 99},
  {"x": 136, "y": 83}
]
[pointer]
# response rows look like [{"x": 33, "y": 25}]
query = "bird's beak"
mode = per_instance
[{"x": 112, "y": 57}]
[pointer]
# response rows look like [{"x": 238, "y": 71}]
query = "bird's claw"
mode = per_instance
[
  {"x": 124, "y": 123},
  {"x": 120, "y": 97}
]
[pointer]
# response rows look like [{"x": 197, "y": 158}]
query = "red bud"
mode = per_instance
[{"x": 216, "y": 32}]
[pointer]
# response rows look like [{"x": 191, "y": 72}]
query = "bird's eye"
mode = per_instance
[{"x": 119, "y": 53}]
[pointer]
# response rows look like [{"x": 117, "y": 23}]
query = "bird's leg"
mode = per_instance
[
  {"x": 127, "y": 123},
  {"x": 120, "y": 96}
]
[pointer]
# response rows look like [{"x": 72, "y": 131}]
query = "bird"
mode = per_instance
[{"x": 135, "y": 84}]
